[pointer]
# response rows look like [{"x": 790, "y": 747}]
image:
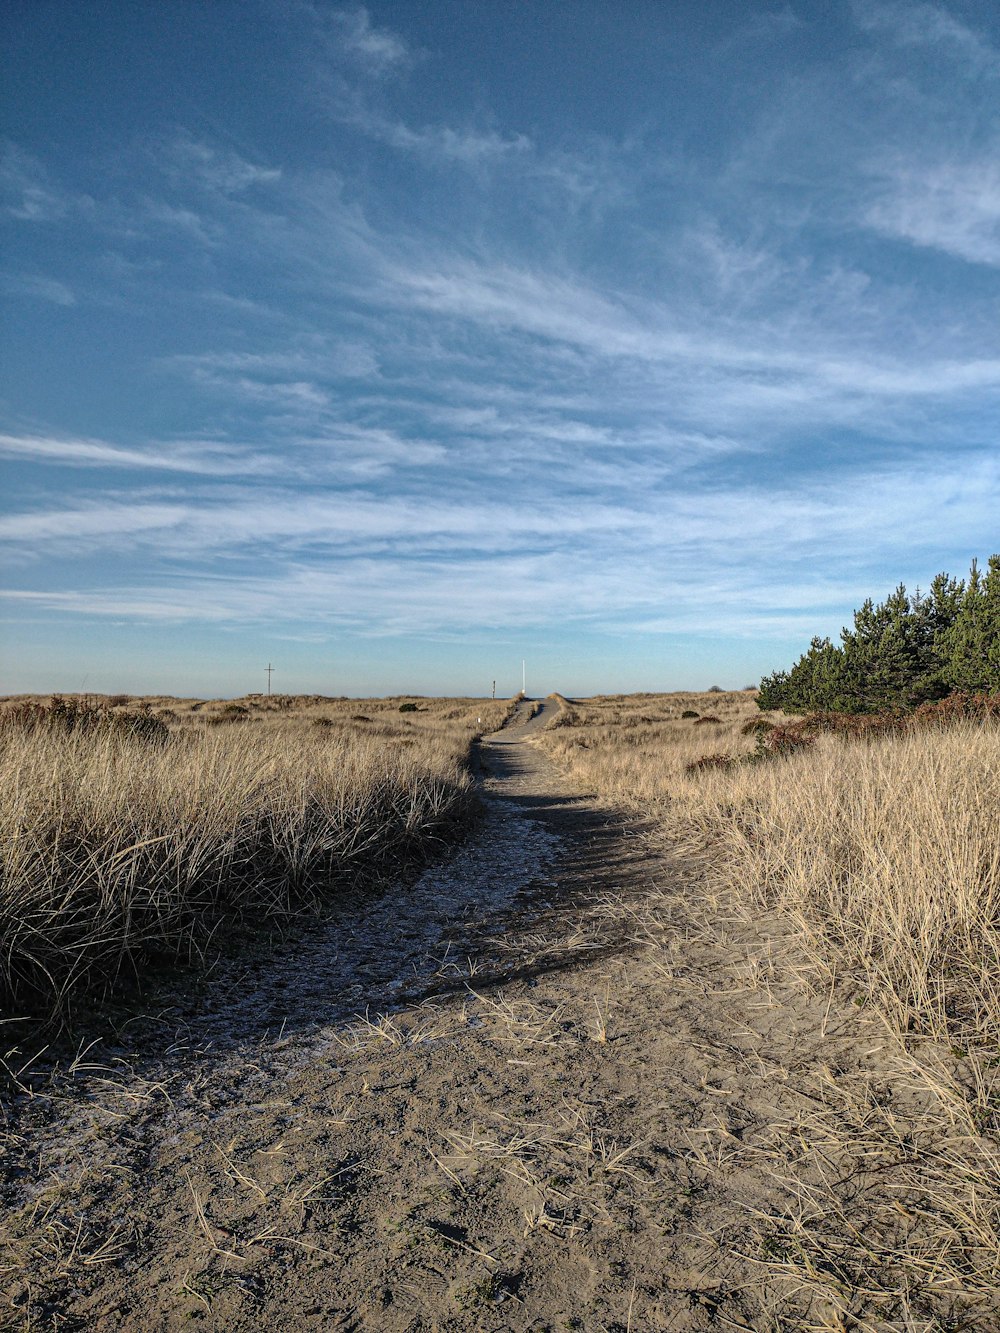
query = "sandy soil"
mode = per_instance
[{"x": 534, "y": 1090}]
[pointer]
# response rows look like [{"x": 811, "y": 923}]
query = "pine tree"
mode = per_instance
[
  {"x": 971, "y": 645},
  {"x": 901, "y": 652},
  {"x": 935, "y": 614}
]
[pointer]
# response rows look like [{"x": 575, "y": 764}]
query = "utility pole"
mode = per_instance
[
  {"x": 270, "y": 668},
  {"x": 494, "y": 689},
  {"x": 524, "y": 679}
]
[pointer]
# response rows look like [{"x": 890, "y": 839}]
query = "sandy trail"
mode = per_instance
[{"x": 553, "y": 1115}]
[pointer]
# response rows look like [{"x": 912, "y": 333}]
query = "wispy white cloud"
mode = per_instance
[
  {"x": 656, "y": 559},
  {"x": 224, "y": 375},
  {"x": 39, "y": 287},
  {"x": 632, "y": 539},
  {"x": 359, "y": 453},
  {"x": 81, "y": 528},
  {"x": 466, "y": 146},
  {"x": 341, "y": 452},
  {"x": 177, "y": 218},
  {"x": 294, "y": 394},
  {"x": 912, "y": 23},
  {"x": 28, "y": 191},
  {"x": 377, "y": 49},
  {"x": 949, "y": 206},
  {"x": 354, "y": 56},
  {"x": 192, "y": 160},
  {"x": 323, "y": 357},
  {"x": 435, "y": 599},
  {"x": 618, "y": 326},
  {"x": 337, "y": 520},
  {"x": 207, "y": 459}
]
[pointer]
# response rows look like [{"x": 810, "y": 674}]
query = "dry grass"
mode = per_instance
[
  {"x": 889, "y": 852},
  {"x": 884, "y": 852},
  {"x": 118, "y": 850}
]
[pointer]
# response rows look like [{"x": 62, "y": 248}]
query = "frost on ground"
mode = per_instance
[
  {"x": 372, "y": 955},
  {"x": 259, "y": 1020}
]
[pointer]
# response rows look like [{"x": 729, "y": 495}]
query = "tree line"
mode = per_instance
[{"x": 908, "y": 650}]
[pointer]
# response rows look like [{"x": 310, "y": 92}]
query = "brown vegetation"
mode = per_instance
[
  {"x": 127, "y": 834},
  {"x": 887, "y": 851},
  {"x": 729, "y": 1064},
  {"x": 877, "y": 837}
]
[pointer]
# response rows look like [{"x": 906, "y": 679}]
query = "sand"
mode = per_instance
[{"x": 553, "y": 1084}]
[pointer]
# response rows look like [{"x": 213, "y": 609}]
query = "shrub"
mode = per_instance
[
  {"x": 958, "y": 707},
  {"x": 710, "y": 761},
  {"x": 962, "y": 706},
  {"x": 689, "y": 712},
  {"x": 754, "y": 726},
  {"x": 785, "y": 741},
  {"x": 76, "y": 716},
  {"x": 408, "y": 708},
  {"x": 708, "y": 718},
  {"x": 231, "y": 713}
]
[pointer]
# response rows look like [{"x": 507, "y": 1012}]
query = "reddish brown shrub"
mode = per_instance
[
  {"x": 84, "y": 716},
  {"x": 709, "y": 761},
  {"x": 962, "y": 706},
  {"x": 786, "y": 740}
]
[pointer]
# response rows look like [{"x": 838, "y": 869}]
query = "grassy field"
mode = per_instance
[
  {"x": 131, "y": 828},
  {"x": 877, "y": 858},
  {"x": 845, "y": 1157},
  {"x": 884, "y": 849}
]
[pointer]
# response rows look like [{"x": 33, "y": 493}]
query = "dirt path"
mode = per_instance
[{"x": 553, "y": 1116}]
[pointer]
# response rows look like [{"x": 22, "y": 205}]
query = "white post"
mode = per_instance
[{"x": 524, "y": 679}]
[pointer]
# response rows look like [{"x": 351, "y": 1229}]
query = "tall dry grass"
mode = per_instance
[
  {"x": 885, "y": 853},
  {"x": 890, "y": 850},
  {"x": 886, "y": 850},
  {"x": 117, "y": 851}
]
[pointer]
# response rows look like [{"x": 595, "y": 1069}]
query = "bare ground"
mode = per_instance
[{"x": 549, "y": 1086}]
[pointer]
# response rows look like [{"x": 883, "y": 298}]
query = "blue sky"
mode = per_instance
[{"x": 396, "y": 344}]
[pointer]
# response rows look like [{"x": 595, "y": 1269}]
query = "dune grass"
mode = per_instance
[
  {"x": 881, "y": 854},
  {"x": 885, "y": 848},
  {"x": 122, "y": 847}
]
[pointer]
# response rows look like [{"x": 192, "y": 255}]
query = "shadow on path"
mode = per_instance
[{"x": 540, "y": 860}]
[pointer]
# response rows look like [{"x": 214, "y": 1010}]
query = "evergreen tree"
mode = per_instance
[
  {"x": 934, "y": 615},
  {"x": 901, "y": 652},
  {"x": 971, "y": 644},
  {"x": 773, "y": 692}
]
